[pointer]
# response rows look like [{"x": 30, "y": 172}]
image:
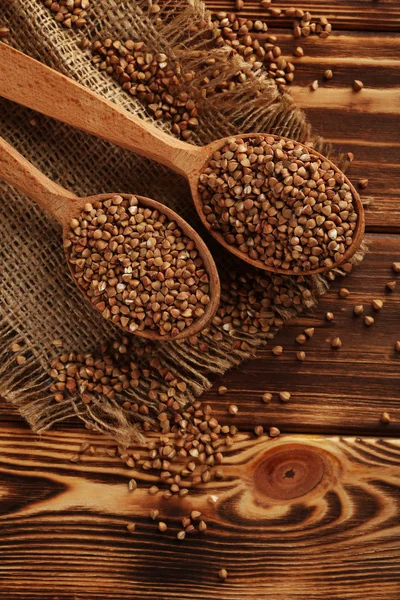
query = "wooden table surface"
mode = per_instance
[{"x": 311, "y": 515}]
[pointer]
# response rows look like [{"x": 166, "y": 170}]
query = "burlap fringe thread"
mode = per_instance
[{"x": 253, "y": 106}]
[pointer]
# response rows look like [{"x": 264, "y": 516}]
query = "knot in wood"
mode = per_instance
[{"x": 289, "y": 472}]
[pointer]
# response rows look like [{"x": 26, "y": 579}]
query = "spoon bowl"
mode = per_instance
[
  {"x": 32, "y": 84},
  {"x": 65, "y": 205},
  {"x": 193, "y": 178}
]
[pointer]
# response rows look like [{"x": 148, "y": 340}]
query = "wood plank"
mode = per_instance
[
  {"x": 365, "y": 123},
  {"x": 305, "y": 518},
  {"x": 333, "y": 391},
  {"x": 342, "y": 390},
  {"x": 344, "y": 14}
]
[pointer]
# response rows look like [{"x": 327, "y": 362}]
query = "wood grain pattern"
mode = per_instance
[
  {"x": 305, "y": 518},
  {"x": 344, "y": 390},
  {"x": 301, "y": 517},
  {"x": 365, "y": 123},
  {"x": 364, "y": 15}
]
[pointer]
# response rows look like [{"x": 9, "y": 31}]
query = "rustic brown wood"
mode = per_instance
[
  {"x": 64, "y": 206},
  {"x": 344, "y": 390},
  {"x": 364, "y": 15},
  {"x": 364, "y": 123},
  {"x": 58, "y": 96},
  {"x": 300, "y": 517},
  {"x": 305, "y": 518}
]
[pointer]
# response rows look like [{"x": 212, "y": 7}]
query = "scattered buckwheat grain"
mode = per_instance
[
  {"x": 377, "y": 304},
  {"x": 277, "y": 350},
  {"x": 396, "y": 267},
  {"x": 357, "y": 85},
  {"x": 274, "y": 432},
  {"x": 358, "y": 310}
]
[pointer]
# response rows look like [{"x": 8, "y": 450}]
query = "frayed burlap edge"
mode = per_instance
[{"x": 254, "y": 106}]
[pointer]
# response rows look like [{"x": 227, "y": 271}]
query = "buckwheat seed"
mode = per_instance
[
  {"x": 357, "y": 85},
  {"x": 274, "y": 432},
  {"x": 377, "y": 304},
  {"x": 132, "y": 485},
  {"x": 396, "y": 267},
  {"x": 277, "y": 350},
  {"x": 358, "y": 310}
]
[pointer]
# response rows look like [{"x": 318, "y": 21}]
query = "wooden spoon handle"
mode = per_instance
[
  {"x": 20, "y": 173},
  {"x": 32, "y": 84}
]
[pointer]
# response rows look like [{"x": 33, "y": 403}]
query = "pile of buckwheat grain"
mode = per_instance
[
  {"x": 279, "y": 203},
  {"x": 137, "y": 267},
  {"x": 69, "y": 13},
  {"x": 152, "y": 78}
]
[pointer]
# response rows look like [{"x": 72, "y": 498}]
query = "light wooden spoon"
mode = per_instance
[
  {"x": 32, "y": 84},
  {"x": 64, "y": 205}
]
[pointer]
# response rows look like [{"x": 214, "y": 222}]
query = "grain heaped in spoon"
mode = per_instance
[
  {"x": 57, "y": 93},
  {"x": 137, "y": 267},
  {"x": 138, "y": 262},
  {"x": 278, "y": 203}
]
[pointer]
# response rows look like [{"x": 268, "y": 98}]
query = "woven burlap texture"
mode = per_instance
[{"x": 39, "y": 302}]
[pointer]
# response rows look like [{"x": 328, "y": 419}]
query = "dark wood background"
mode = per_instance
[{"x": 329, "y": 530}]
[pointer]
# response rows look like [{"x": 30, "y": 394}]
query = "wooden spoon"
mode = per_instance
[
  {"x": 64, "y": 206},
  {"x": 32, "y": 84}
]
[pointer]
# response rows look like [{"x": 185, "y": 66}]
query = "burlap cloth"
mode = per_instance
[{"x": 39, "y": 302}]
